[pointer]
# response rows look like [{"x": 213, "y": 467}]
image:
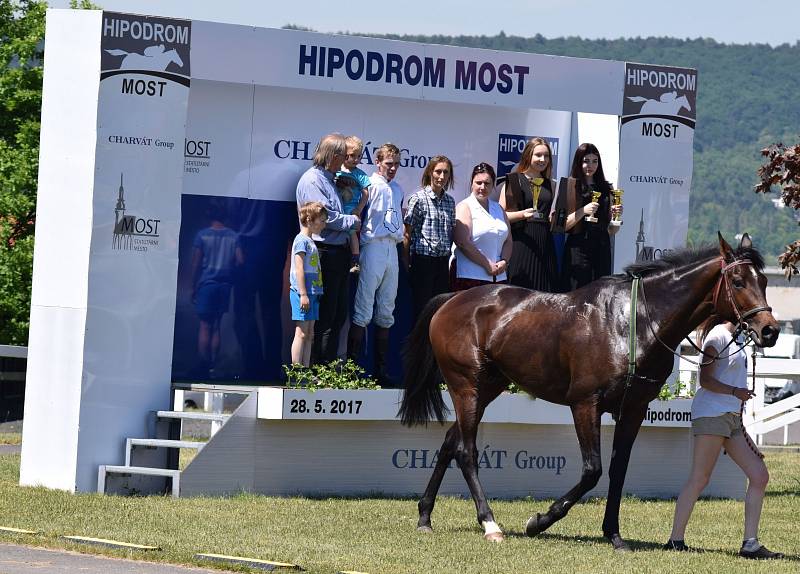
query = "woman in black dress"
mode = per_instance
[
  {"x": 587, "y": 254},
  {"x": 527, "y": 196}
]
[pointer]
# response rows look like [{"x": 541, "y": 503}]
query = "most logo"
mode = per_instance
[
  {"x": 132, "y": 233},
  {"x": 646, "y": 252}
]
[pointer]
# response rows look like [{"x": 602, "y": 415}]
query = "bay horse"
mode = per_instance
[{"x": 572, "y": 349}]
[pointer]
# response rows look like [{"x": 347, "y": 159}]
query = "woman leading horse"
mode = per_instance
[{"x": 573, "y": 349}]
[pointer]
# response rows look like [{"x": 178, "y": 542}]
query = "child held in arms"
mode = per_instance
[{"x": 353, "y": 187}]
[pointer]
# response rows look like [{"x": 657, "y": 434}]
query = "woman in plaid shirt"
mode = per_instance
[{"x": 429, "y": 223}]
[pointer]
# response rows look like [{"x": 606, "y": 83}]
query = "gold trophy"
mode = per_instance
[
  {"x": 595, "y": 199},
  {"x": 616, "y": 200},
  {"x": 536, "y": 189}
]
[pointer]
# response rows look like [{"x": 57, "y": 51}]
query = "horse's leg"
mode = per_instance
[
  {"x": 470, "y": 411},
  {"x": 586, "y": 415},
  {"x": 624, "y": 435},
  {"x": 446, "y": 454}
]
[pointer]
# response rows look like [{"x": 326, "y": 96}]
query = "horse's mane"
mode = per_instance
[{"x": 680, "y": 257}]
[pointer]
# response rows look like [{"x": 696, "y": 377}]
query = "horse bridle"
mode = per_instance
[{"x": 741, "y": 318}]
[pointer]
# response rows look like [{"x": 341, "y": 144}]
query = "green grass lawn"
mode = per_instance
[{"x": 378, "y": 535}]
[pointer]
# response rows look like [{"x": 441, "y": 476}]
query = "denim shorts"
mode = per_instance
[
  {"x": 297, "y": 313},
  {"x": 212, "y": 300},
  {"x": 727, "y": 425}
]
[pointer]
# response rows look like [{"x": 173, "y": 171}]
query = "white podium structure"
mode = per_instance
[
  {"x": 349, "y": 443},
  {"x": 141, "y": 113}
]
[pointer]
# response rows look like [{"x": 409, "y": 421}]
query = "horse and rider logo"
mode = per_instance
[
  {"x": 153, "y": 58},
  {"x": 668, "y": 104}
]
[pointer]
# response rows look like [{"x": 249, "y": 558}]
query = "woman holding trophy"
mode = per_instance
[
  {"x": 527, "y": 196},
  {"x": 595, "y": 211}
]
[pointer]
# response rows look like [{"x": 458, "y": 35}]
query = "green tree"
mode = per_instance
[{"x": 21, "y": 45}]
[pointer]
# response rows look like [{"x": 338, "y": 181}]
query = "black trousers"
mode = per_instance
[
  {"x": 428, "y": 276},
  {"x": 587, "y": 257},
  {"x": 333, "y": 305}
]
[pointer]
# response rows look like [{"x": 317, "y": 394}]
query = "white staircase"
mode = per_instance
[
  {"x": 130, "y": 443},
  {"x": 145, "y": 458}
]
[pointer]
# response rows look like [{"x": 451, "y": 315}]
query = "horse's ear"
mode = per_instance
[
  {"x": 746, "y": 242},
  {"x": 724, "y": 249}
]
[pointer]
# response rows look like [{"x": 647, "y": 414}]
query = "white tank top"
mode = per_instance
[{"x": 489, "y": 232}]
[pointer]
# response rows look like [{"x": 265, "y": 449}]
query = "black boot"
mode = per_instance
[
  {"x": 380, "y": 370},
  {"x": 355, "y": 340}
]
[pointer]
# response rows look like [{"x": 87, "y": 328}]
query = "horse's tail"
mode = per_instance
[{"x": 421, "y": 397}]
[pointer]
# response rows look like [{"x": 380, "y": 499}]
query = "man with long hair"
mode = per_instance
[{"x": 317, "y": 184}]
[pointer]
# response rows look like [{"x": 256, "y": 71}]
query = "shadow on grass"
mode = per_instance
[
  {"x": 636, "y": 545},
  {"x": 784, "y": 492}
]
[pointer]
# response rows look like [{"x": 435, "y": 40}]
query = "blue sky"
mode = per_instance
[{"x": 730, "y": 21}]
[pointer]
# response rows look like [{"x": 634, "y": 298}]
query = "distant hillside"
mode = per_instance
[{"x": 747, "y": 98}]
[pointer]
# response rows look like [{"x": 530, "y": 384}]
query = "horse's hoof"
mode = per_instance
[
  {"x": 494, "y": 537},
  {"x": 618, "y": 543},
  {"x": 534, "y": 525},
  {"x": 425, "y": 529}
]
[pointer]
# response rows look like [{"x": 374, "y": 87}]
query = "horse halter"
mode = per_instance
[{"x": 741, "y": 318}]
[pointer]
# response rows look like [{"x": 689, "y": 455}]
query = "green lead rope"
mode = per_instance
[
  {"x": 632, "y": 329},
  {"x": 631, "y": 343}
]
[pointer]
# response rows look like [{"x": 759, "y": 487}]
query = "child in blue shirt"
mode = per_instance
[
  {"x": 216, "y": 252},
  {"x": 305, "y": 280},
  {"x": 353, "y": 187}
]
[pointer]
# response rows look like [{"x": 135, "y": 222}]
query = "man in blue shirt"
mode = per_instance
[{"x": 316, "y": 184}]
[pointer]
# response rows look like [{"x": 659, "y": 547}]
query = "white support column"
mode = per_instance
[
  {"x": 61, "y": 254},
  {"x": 105, "y": 262}
]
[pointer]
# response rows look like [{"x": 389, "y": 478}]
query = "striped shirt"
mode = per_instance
[{"x": 432, "y": 220}]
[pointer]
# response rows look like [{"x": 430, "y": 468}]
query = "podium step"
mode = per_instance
[
  {"x": 193, "y": 416},
  {"x": 106, "y": 469},
  {"x": 158, "y": 443}
]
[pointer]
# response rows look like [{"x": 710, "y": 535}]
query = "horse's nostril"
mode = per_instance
[{"x": 769, "y": 332}]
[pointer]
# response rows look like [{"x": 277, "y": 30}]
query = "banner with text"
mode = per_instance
[
  {"x": 655, "y": 172},
  {"x": 142, "y": 102}
]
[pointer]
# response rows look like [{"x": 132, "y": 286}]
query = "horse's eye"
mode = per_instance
[{"x": 738, "y": 282}]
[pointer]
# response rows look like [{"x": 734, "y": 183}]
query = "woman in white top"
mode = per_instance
[
  {"x": 483, "y": 244},
  {"x": 717, "y": 424}
]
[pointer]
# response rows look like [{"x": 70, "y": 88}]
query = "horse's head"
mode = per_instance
[
  {"x": 740, "y": 295},
  {"x": 684, "y": 101}
]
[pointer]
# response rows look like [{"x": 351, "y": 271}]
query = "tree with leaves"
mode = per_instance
[
  {"x": 782, "y": 169},
  {"x": 21, "y": 45}
]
